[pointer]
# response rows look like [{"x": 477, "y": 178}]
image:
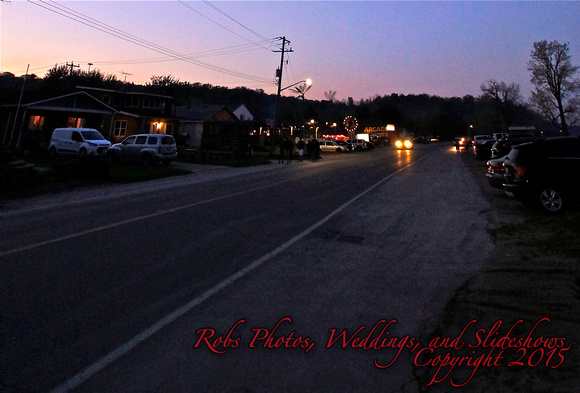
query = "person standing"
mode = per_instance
[
  {"x": 289, "y": 150},
  {"x": 300, "y": 146},
  {"x": 282, "y": 146},
  {"x": 315, "y": 149}
]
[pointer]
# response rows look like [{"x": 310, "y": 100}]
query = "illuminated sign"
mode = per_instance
[{"x": 387, "y": 128}]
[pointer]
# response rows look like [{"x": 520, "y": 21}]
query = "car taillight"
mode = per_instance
[
  {"x": 508, "y": 171},
  {"x": 514, "y": 172},
  {"x": 520, "y": 171}
]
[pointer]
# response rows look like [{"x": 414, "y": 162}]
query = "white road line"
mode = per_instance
[
  {"x": 131, "y": 220},
  {"x": 112, "y": 356},
  {"x": 113, "y": 192}
]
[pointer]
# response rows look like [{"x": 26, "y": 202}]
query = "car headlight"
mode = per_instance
[
  {"x": 408, "y": 144},
  {"x": 399, "y": 144}
]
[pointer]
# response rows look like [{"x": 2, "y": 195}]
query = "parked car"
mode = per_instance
[
  {"x": 503, "y": 146},
  {"x": 145, "y": 148},
  {"x": 343, "y": 143},
  {"x": 357, "y": 144},
  {"x": 479, "y": 139},
  {"x": 544, "y": 173},
  {"x": 78, "y": 142},
  {"x": 482, "y": 150},
  {"x": 370, "y": 145},
  {"x": 495, "y": 172},
  {"x": 421, "y": 139},
  {"x": 328, "y": 146},
  {"x": 406, "y": 144},
  {"x": 499, "y": 135}
]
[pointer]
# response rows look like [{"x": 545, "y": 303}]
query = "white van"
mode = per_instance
[{"x": 77, "y": 141}]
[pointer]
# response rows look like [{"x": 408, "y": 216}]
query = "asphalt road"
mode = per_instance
[{"x": 135, "y": 288}]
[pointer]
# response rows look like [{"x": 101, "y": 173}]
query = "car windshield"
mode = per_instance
[{"x": 92, "y": 135}]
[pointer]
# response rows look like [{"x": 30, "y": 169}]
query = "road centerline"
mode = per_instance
[
  {"x": 134, "y": 219},
  {"x": 126, "y": 347}
]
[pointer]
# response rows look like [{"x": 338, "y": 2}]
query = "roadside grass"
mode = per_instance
[
  {"x": 533, "y": 233},
  {"x": 131, "y": 172},
  {"x": 544, "y": 235},
  {"x": 53, "y": 175},
  {"x": 42, "y": 174},
  {"x": 533, "y": 273}
]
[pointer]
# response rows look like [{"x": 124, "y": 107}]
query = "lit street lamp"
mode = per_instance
[{"x": 280, "y": 90}]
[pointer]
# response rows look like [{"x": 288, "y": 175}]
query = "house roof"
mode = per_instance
[
  {"x": 204, "y": 112},
  {"x": 80, "y": 102},
  {"x": 141, "y": 93}
]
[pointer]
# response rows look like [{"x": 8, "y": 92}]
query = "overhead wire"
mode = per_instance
[
  {"x": 95, "y": 24},
  {"x": 234, "y": 20},
  {"x": 210, "y": 53},
  {"x": 222, "y": 26}
]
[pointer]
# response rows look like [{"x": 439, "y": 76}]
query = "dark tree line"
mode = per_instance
[{"x": 419, "y": 114}]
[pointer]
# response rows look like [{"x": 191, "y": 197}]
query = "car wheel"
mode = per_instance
[
  {"x": 82, "y": 153},
  {"x": 146, "y": 160},
  {"x": 358, "y": 148},
  {"x": 52, "y": 152},
  {"x": 551, "y": 200}
]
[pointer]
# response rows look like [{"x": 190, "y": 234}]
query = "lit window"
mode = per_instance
[
  {"x": 36, "y": 123},
  {"x": 157, "y": 127},
  {"x": 75, "y": 122}
]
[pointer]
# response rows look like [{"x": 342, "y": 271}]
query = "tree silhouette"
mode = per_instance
[
  {"x": 330, "y": 95},
  {"x": 504, "y": 96},
  {"x": 302, "y": 89},
  {"x": 557, "y": 94}
]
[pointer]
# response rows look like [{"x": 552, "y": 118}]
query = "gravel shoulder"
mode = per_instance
[{"x": 515, "y": 323}]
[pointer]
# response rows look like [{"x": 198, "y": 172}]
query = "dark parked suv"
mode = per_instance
[
  {"x": 503, "y": 146},
  {"x": 544, "y": 173}
]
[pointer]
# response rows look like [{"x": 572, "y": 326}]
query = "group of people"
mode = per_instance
[{"x": 287, "y": 150}]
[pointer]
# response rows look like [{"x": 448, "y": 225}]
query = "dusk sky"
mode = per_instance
[{"x": 359, "y": 49}]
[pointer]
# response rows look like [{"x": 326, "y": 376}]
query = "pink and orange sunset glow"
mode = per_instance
[{"x": 358, "y": 49}]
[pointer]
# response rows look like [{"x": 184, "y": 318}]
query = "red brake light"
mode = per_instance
[{"x": 520, "y": 171}]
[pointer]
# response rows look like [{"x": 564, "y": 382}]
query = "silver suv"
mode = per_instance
[
  {"x": 357, "y": 144},
  {"x": 332, "y": 146},
  {"x": 145, "y": 148}
]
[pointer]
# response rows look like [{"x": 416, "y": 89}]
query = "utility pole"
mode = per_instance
[
  {"x": 17, "y": 110},
  {"x": 72, "y": 65},
  {"x": 279, "y": 75}
]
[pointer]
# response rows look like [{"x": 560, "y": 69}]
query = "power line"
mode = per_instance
[
  {"x": 235, "y": 21},
  {"x": 209, "y": 53},
  {"x": 95, "y": 24},
  {"x": 220, "y": 25}
]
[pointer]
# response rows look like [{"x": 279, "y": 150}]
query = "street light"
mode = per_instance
[
  {"x": 307, "y": 81},
  {"x": 280, "y": 90}
]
